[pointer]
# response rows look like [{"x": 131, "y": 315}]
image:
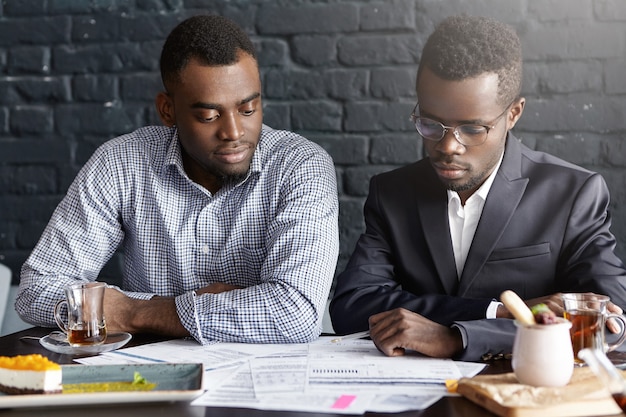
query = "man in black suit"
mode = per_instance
[{"x": 481, "y": 214}]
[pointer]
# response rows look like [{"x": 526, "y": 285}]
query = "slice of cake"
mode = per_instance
[{"x": 29, "y": 374}]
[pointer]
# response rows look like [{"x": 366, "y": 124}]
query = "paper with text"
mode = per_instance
[{"x": 349, "y": 377}]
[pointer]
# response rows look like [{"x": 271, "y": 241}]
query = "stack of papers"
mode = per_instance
[{"x": 345, "y": 376}]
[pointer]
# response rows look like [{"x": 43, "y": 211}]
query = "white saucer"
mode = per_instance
[{"x": 56, "y": 342}]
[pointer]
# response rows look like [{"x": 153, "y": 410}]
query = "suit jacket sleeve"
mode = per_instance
[{"x": 484, "y": 336}]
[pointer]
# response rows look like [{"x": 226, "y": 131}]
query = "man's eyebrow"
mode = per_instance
[
  {"x": 213, "y": 106},
  {"x": 250, "y": 98}
]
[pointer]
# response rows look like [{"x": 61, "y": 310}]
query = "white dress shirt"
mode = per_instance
[{"x": 463, "y": 221}]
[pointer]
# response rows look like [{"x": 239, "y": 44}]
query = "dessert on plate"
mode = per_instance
[{"x": 29, "y": 374}]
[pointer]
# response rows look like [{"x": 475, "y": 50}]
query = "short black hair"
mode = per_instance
[
  {"x": 211, "y": 39},
  {"x": 464, "y": 47}
]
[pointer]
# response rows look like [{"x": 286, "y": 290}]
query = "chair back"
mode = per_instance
[{"x": 5, "y": 288}]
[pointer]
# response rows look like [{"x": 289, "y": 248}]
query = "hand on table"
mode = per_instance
[
  {"x": 157, "y": 315},
  {"x": 399, "y": 329}
]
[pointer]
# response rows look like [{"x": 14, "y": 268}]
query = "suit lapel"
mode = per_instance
[
  {"x": 505, "y": 194},
  {"x": 433, "y": 215}
]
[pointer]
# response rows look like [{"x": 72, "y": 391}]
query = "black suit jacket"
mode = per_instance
[{"x": 544, "y": 229}]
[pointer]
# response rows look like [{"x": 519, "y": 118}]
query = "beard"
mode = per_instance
[
  {"x": 475, "y": 179},
  {"x": 229, "y": 174},
  {"x": 472, "y": 183},
  {"x": 232, "y": 178},
  {"x": 476, "y": 172}
]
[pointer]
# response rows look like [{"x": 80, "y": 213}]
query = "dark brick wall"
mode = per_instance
[{"x": 341, "y": 72}]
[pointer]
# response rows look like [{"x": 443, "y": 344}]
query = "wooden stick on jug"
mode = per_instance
[{"x": 517, "y": 307}]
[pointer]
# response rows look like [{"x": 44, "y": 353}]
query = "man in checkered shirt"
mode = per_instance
[{"x": 228, "y": 227}]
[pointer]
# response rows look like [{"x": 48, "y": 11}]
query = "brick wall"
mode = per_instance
[{"x": 341, "y": 72}]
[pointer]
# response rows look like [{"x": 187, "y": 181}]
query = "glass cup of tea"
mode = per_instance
[
  {"x": 85, "y": 324},
  {"x": 588, "y": 314}
]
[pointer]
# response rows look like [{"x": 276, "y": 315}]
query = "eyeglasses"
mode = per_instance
[{"x": 465, "y": 134}]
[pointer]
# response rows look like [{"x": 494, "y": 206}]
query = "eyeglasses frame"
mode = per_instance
[{"x": 413, "y": 117}]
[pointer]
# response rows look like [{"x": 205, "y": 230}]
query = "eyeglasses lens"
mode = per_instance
[
  {"x": 466, "y": 134},
  {"x": 429, "y": 129}
]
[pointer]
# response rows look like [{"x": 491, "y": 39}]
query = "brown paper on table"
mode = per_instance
[{"x": 502, "y": 394}]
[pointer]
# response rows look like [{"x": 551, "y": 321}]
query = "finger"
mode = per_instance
[
  {"x": 390, "y": 346},
  {"x": 387, "y": 336},
  {"x": 378, "y": 317},
  {"x": 373, "y": 320},
  {"x": 385, "y": 328},
  {"x": 398, "y": 351},
  {"x": 557, "y": 300},
  {"x": 614, "y": 308},
  {"x": 385, "y": 345},
  {"x": 380, "y": 328},
  {"x": 555, "y": 306},
  {"x": 613, "y": 326}
]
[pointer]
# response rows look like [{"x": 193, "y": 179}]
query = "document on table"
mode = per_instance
[{"x": 350, "y": 376}]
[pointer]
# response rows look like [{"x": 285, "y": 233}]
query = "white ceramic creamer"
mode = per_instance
[{"x": 542, "y": 354}]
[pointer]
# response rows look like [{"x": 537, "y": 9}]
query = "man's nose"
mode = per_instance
[
  {"x": 231, "y": 127},
  {"x": 450, "y": 142}
]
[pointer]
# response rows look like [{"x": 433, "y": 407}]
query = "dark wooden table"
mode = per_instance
[{"x": 12, "y": 344}]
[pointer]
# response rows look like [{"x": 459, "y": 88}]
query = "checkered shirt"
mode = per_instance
[{"x": 274, "y": 233}]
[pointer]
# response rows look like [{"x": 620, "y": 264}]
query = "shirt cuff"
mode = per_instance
[
  {"x": 187, "y": 314},
  {"x": 492, "y": 310},
  {"x": 463, "y": 334}
]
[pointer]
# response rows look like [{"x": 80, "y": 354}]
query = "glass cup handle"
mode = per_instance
[
  {"x": 60, "y": 322},
  {"x": 622, "y": 335}
]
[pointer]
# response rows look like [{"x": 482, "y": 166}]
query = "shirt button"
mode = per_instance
[{"x": 205, "y": 249}]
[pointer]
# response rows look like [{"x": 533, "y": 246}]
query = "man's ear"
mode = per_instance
[
  {"x": 165, "y": 108},
  {"x": 516, "y": 112}
]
